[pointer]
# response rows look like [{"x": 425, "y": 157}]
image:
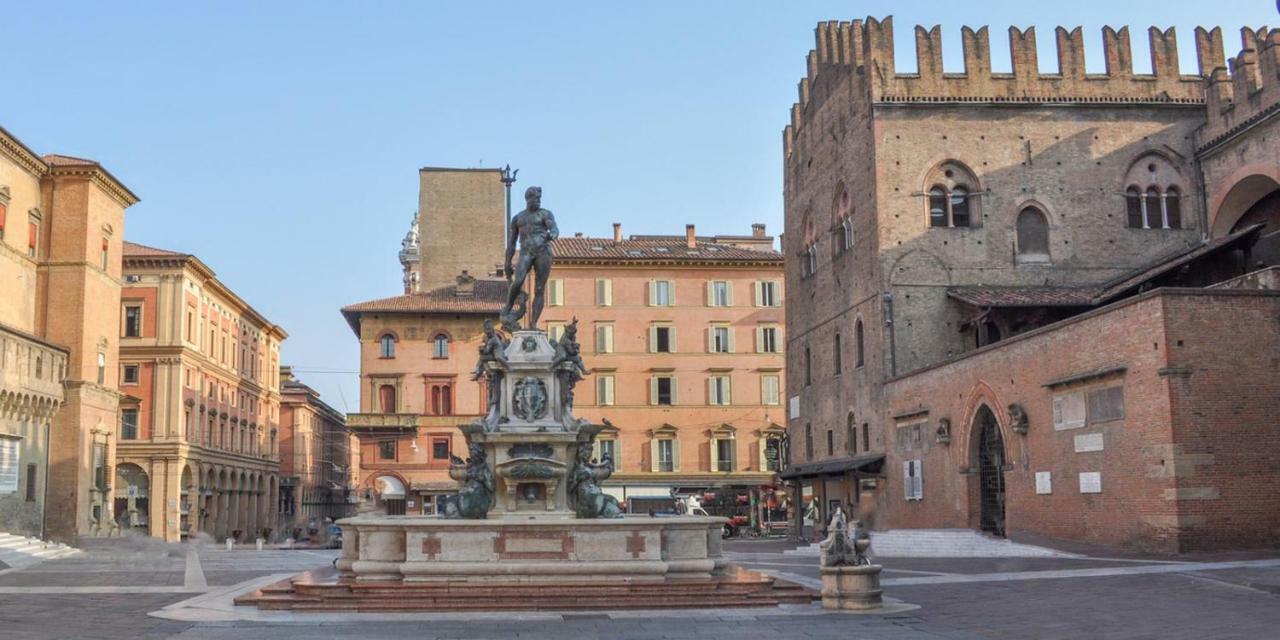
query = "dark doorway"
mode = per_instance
[{"x": 990, "y": 472}]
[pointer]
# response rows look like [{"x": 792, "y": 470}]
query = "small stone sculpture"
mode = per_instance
[
  {"x": 474, "y": 500},
  {"x": 1018, "y": 421},
  {"x": 585, "y": 496},
  {"x": 568, "y": 365},
  {"x": 842, "y": 550},
  {"x": 492, "y": 349}
]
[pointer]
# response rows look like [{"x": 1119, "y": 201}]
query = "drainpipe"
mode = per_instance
[
  {"x": 888, "y": 323},
  {"x": 44, "y": 504}
]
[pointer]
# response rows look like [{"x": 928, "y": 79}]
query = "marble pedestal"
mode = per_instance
[{"x": 411, "y": 549}]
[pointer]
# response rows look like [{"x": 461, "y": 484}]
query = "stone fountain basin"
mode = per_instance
[{"x": 429, "y": 549}]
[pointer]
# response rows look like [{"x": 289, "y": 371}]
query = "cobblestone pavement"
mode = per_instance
[{"x": 109, "y": 594}]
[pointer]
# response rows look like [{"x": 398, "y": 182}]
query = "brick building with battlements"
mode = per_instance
[{"x": 1035, "y": 303}]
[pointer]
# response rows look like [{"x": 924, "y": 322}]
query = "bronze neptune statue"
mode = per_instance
[{"x": 534, "y": 228}]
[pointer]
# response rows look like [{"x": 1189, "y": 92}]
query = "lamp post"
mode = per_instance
[{"x": 508, "y": 178}]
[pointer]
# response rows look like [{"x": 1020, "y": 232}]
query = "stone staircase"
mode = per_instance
[
  {"x": 17, "y": 552},
  {"x": 944, "y": 543}
]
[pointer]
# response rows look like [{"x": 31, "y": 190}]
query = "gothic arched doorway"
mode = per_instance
[{"x": 990, "y": 471}]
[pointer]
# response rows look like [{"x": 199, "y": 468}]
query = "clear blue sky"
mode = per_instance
[{"x": 280, "y": 142}]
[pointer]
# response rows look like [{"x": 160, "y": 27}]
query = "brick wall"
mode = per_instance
[{"x": 1195, "y": 426}]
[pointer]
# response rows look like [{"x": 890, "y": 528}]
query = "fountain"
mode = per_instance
[{"x": 530, "y": 526}]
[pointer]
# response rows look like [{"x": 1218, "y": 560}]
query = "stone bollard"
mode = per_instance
[
  {"x": 288, "y": 543},
  {"x": 854, "y": 587},
  {"x": 230, "y": 544},
  {"x": 260, "y": 541}
]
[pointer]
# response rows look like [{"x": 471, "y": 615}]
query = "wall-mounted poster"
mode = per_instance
[{"x": 8, "y": 464}]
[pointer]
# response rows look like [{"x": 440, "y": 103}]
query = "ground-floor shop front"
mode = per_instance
[{"x": 817, "y": 489}]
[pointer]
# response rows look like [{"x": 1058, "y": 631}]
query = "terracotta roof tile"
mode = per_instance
[
  {"x": 59, "y": 160},
  {"x": 133, "y": 249},
  {"x": 666, "y": 248},
  {"x": 489, "y": 297},
  {"x": 1025, "y": 296},
  {"x": 1100, "y": 294}
]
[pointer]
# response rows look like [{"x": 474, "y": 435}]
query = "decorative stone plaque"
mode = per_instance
[
  {"x": 1087, "y": 442},
  {"x": 1044, "y": 482},
  {"x": 1091, "y": 482}
]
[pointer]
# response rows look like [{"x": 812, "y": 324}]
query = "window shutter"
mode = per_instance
[
  {"x": 31, "y": 235},
  {"x": 653, "y": 292},
  {"x": 715, "y": 454},
  {"x": 653, "y": 454},
  {"x": 711, "y": 339},
  {"x": 728, "y": 390},
  {"x": 759, "y": 339},
  {"x": 1057, "y": 412},
  {"x": 674, "y": 386},
  {"x": 653, "y": 390},
  {"x": 730, "y": 331},
  {"x": 757, "y": 293},
  {"x": 675, "y": 446},
  {"x": 608, "y": 388},
  {"x": 777, "y": 293},
  {"x": 671, "y": 338},
  {"x": 653, "y": 339},
  {"x": 908, "y": 485},
  {"x": 671, "y": 293},
  {"x": 918, "y": 487},
  {"x": 608, "y": 338},
  {"x": 711, "y": 390},
  {"x": 710, "y": 293},
  {"x": 728, "y": 293}
]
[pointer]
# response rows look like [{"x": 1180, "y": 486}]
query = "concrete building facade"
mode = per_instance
[
  {"x": 61, "y": 233},
  {"x": 199, "y": 442},
  {"x": 932, "y": 218}
]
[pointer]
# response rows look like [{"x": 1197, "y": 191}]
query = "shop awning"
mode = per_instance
[{"x": 867, "y": 462}]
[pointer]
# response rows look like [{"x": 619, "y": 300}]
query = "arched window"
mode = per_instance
[
  {"x": 808, "y": 367},
  {"x": 387, "y": 398},
  {"x": 440, "y": 346},
  {"x": 851, "y": 436},
  {"x": 951, "y": 201},
  {"x": 937, "y": 207},
  {"x": 1151, "y": 209},
  {"x": 1153, "y": 199},
  {"x": 959, "y": 207},
  {"x": 835, "y": 354},
  {"x": 1133, "y": 208},
  {"x": 831, "y": 443},
  {"x": 842, "y": 221},
  {"x": 857, "y": 343},
  {"x": 387, "y": 346},
  {"x": 1033, "y": 234},
  {"x": 1173, "y": 208}
]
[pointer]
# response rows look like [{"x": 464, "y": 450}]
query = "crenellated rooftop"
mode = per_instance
[
  {"x": 864, "y": 49},
  {"x": 1246, "y": 92}
]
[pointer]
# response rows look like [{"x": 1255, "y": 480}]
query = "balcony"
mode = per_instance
[{"x": 357, "y": 422}]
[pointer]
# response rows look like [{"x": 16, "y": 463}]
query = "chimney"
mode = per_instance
[
  {"x": 617, "y": 232},
  {"x": 466, "y": 285},
  {"x": 690, "y": 237},
  {"x": 757, "y": 230}
]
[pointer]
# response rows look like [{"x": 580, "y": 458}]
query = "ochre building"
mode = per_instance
[
  {"x": 1036, "y": 303},
  {"x": 683, "y": 334},
  {"x": 199, "y": 439},
  {"x": 315, "y": 462},
  {"x": 61, "y": 233}
]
